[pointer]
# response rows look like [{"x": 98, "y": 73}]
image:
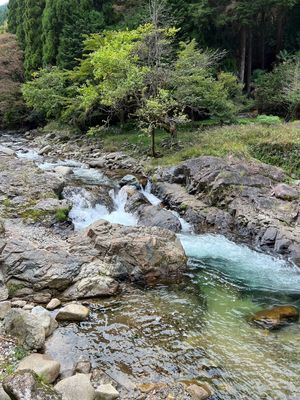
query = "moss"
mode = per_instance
[
  {"x": 14, "y": 287},
  {"x": 34, "y": 215},
  {"x": 62, "y": 214}
]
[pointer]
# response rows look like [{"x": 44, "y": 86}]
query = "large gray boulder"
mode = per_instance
[
  {"x": 44, "y": 366},
  {"x": 45, "y": 319},
  {"x": 143, "y": 254},
  {"x": 77, "y": 387},
  {"x": 25, "y": 385},
  {"x": 157, "y": 216},
  {"x": 73, "y": 312},
  {"x": 26, "y": 327}
]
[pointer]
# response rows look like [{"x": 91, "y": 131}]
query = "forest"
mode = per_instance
[{"x": 156, "y": 65}]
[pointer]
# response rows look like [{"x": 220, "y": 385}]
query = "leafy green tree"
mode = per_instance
[
  {"x": 197, "y": 86},
  {"x": 47, "y": 93}
]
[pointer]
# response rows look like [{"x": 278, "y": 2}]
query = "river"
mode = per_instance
[{"x": 198, "y": 329}]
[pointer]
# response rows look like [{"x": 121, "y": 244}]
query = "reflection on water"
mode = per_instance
[{"x": 197, "y": 329}]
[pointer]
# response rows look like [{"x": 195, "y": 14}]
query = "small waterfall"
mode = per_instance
[
  {"x": 147, "y": 192},
  {"x": 119, "y": 215},
  {"x": 84, "y": 212}
]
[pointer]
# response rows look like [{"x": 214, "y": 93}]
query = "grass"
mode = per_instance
[{"x": 277, "y": 144}]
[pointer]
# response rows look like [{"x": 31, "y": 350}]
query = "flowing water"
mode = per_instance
[{"x": 198, "y": 329}]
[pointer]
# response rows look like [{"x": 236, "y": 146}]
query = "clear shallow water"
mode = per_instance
[{"x": 196, "y": 330}]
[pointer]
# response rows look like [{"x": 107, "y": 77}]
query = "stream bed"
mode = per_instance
[{"x": 198, "y": 329}]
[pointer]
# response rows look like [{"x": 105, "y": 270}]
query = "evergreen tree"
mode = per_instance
[{"x": 33, "y": 35}]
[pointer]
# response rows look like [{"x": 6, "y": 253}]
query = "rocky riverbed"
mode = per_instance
[{"x": 79, "y": 227}]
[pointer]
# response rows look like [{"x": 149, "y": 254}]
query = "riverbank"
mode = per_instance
[{"x": 156, "y": 341}]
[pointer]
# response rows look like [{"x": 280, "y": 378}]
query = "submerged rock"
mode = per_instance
[
  {"x": 25, "y": 385},
  {"x": 276, "y": 317},
  {"x": 43, "y": 365}
]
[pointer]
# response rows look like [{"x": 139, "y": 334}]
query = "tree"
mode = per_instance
[
  {"x": 197, "y": 86},
  {"x": 12, "y": 107},
  {"x": 33, "y": 35},
  {"x": 47, "y": 93}
]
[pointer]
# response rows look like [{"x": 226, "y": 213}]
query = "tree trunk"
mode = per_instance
[
  {"x": 152, "y": 133},
  {"x": 250, "y": 59},
  {"x": 243, "y": 54},
  {"x": 280, "y": 29},
  {"x": 263, "y": 40}
]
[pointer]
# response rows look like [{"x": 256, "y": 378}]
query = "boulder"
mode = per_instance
[
  {"x": 53, "y": 304},
  {"x": 276, "y": 317},
  {"x": 197, "y": 392},
  {"x": 73, "y": 312},
  {"x": 45, "y": 319},
  {"x": 5, "y": 307},
  {"x": 26, "y": 327},
  {"x": 77, "y": 387},
  {"x": 43, "y": 365},
  {"x": 129, "y": 180},
  {"x": 45, "y": 150},
  {"x": 138, "y": 254},
  {"x": 106, "y": 392},
  {"x": 286, "y": 192},
  {"x": 157, "y": 216},
  {"x": 83, "y": 365},
  {"x": 25, "y": 385},
  {"x": 92, "y": 286}
]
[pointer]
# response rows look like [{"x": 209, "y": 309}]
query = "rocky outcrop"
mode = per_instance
[
  {"x": 243, "y": 199},
  {"x": 21, "y": 182},
  {"x": 26, "y": 385},
  {"x": 90, "y": 264},
  {"x": 137, "y": 254},
  {"x": 116, "y": 161}
]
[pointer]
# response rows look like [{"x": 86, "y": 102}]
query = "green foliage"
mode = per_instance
[
  {"x": 62, "y": 214},
  {"x": 33, "y": 35},
  {"x": 278, "y": 91},
  {"x": 47, "y": 92},
  {"x": 268, "y": 119},
  {"x": 196, "y": 85}
]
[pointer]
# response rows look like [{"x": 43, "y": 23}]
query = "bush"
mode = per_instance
[{"x": 268, "y": 119}]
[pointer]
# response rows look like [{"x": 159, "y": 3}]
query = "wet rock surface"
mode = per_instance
[
  {"x": 276, "y": 318},
  {"x": 247, "y": 200}
]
